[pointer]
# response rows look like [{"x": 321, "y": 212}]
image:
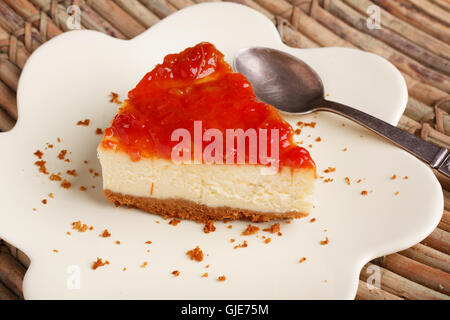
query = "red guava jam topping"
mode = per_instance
[{"x": 198, "y": 85}]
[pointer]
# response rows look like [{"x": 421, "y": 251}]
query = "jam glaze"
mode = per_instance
[{"x": 196, "y": 85}]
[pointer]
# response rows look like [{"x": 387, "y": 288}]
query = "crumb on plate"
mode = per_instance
[
  {"x": 62, "y": 154},
  {"x": 66, "y": 184},
  {"x": 174, "y": 222},
  {"x": 38, "y": 154},
  {"x": 209, "y": 226},
  {"x": 273, "y": 228},
  {"x": 242, "y": 245},
  {"x": 195, "y": 254},
  {"x": 85, "y": 122},
  {"x": 99, "y": 263},
  {"x": 105, "y": 234},
  {"x": 251, "y": 229},
  {"x": 79, "y": 226}
]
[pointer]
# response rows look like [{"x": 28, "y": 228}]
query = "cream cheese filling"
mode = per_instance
[{"x": 237, "y": 186}]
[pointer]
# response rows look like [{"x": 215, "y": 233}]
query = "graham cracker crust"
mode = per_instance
[{"x": 185, "y": 209}]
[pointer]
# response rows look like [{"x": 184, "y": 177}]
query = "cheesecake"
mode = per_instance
[{"x": 192, "y": 141}]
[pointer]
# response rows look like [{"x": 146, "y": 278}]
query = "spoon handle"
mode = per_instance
[{"x": 438, "y": 158}]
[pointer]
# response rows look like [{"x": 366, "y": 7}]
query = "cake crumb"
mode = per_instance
[
  {"x": 82, "y": 188},
  {"x": 51, "y": 195},
  {"x": 174, "y": 222},
  {"x": 242, "y": 245},
  {"x": 66, "y": 184},
  {"x": 148, "y": 242},
  {"x": 397, "y": 193},
  {"x": 302, "y": 260},
  {"x": 44, "y": 201},
  {"x": 232, "y": 240},
  {"x": 85, "y": 122},
  {"x": 68, "y": 233},
  {"x": 312, "y": 220},
  {"x": 91, "y": 228},
  {"x": 250, "y": 230},
  {"x": 55, "y": 250},
  {"x": 71, "y": 173},
  {"x": 79, "y": 226},
  {"x": 62, "y": 154},
  {"x": 58, "y": 139},
  {"x": 98, "y": 131},
  {"x": 405, "y": 177},
  {"x": 318, "y": 139},
  {"x": 207, "y": 266},
  {"x": 394, "y": 176},
  {"x": 364, "y": 193},
  {"x": 38, "y": 154},
  {"x": 305, "y": 124},
  {"x": 344, "y": 150},
  {"x": 221, "y": 278},
  {"x": 195, "y": 254},
  {"x": 99, "y": 263},
  {"x": 328, "y": 180},
  {"x": 359, "y": 181},
  {"x": 117, "y": 242},
  {"x": 41, "y": 165},
  {"x": 273, "y": 228},
  {"x": 267, "y": 240},
  {"x": 124, "y": 269},
  {"x": 230, "y": 226},
  {"x": 54, "y": 177},
  {"x": 176, "y": 273},
  {"x": 144, "y": 264},
  {"x": 324, "y": 242},
  {"x": 329, "y": 170},
  {"x": 105, "y": 234},
  {"x": 347, "y": 180},
  {"x": 205, "y": 275},
  {"x": 114, "y": 98},
  {"x": 34, "y": 209},
  {"x": 209, "y": 226}
]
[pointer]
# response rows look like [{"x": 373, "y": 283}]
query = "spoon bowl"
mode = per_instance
[{"x": 280, "y": 79}]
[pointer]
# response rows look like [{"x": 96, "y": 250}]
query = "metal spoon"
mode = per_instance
[{"x": 290, "y": 85}]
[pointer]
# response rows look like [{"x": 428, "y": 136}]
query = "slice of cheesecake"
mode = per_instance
[{"x": 192, "y": 141}]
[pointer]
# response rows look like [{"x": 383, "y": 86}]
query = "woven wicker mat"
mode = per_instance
[{"x": 414, "y": 36}]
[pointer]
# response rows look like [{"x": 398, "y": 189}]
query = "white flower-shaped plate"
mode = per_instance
[{"x": 69, "y": 79}]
